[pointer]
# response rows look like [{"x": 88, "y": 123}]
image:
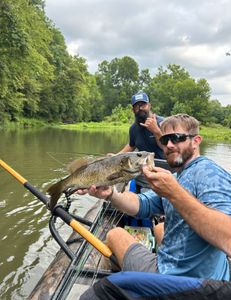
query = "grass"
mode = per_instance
[
  {"x": 24, "y": 123},
  {"x": 212, "y": 133},
  {"x": 95, "y": 126},
  {"x": 216, "y": 133}
]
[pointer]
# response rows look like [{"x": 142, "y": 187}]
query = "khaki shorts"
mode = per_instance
[{"x": 139, "y": 258}]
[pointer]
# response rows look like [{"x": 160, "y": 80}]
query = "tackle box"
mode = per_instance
[{"x": 142, "y": 235}]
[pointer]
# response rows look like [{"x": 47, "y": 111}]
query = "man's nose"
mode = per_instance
[{"x": 170, "y": 144}]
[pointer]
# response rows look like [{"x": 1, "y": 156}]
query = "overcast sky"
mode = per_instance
[{"x": 194, "y": 34}]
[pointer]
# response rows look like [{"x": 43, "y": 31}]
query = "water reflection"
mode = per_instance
[
  {"x": 220, "y": 153},
  {"x": 41, "y": 155}
]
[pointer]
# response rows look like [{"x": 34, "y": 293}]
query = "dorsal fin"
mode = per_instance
[
  {"x": 82, "y": 162},
  {"x": 78, "y": 163}
]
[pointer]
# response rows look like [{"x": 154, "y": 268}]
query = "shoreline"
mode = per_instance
[{"x": 216, "y": 133}]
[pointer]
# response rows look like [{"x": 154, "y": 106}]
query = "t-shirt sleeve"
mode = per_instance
[
  {"x": 213, "y": 187},
  {"x": 150, "y": 205},
  {"x": 159, "y": 119}
]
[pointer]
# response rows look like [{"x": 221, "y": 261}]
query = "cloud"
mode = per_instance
[{"x": 195, "y": 34}]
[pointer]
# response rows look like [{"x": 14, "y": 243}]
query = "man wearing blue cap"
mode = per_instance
[{"x": 144, "y": 133}]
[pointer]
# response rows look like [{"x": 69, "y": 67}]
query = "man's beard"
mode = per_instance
[
  {"x": 141, "y": 116},
  {"x": 181, "y": 158}
]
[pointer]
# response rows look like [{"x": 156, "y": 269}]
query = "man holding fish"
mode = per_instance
[{"x": 196, "y": 202}]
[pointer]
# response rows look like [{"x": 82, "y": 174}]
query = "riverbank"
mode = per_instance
[
  {"x": 211, "y": 133},
  {"x": 215, "y": 133}
]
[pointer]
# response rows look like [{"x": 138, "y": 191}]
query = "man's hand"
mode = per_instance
[
  {"x": 100, "y": 192},
  {"x": 161, "y": 181},
  {"x": 151, "y": 124}
]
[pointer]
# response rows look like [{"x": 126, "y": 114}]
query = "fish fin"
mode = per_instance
[
  {"x": 123, "y": 187},
  {"x": 77, "y": 164},
  {"x": 120, "y": 187},
  {"x": 81, "y": 163},
  {"x": 114, "y": 176},
  {"x": 55, "y": 191}
]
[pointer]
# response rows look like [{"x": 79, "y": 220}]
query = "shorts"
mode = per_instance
[{"x": 139, "y": 258}]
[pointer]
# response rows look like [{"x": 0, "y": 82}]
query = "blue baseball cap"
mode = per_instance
[{"x": 140, "y": 97}]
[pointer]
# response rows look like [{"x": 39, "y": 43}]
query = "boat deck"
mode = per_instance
[
  {"x": 96, "y": 265},
  {"x": 65, "y": 279}
]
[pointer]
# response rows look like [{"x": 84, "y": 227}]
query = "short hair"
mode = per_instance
[{"x": 189, "y": 123}]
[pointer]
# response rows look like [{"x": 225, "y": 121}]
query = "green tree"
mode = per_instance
[
  {"x": 118, "y": 80},
  {"x": 121, "y": 114},
  {"x": 173, "y": 90},
  {"x": 227, "y": 116},
  {"x": 215, "y": 112},
  {"x": 24, "y": 40}
]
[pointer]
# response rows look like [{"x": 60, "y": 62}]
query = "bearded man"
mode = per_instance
[
  {"x": 196, "y": 202},
  {"x": 144, "y": 133}
]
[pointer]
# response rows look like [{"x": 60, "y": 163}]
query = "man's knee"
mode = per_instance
[
  {"x": 114, "y": 234},
  {"x": 119, "y": 240}
]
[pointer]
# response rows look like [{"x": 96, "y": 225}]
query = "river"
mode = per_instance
[{"x": 40, "y": 156}]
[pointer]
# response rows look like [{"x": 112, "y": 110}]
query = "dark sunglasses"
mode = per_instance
[
  {"x": 175, "y": 138},
  {"x": 138, "y": 105}
]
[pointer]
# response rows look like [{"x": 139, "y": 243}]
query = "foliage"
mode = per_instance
[
  {"x": 174, "y": 91},
  {"x": 121, "y": 115},
  {"x": 118, "y": 80},
  {"x": 209, "y": 133},
  {"x": 216, "y": 133},
  {"x": 227, "y": 116},
  {"x": 39, "y": 79}
]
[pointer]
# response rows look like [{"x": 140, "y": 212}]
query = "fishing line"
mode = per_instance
[
  {"x": 93, "y": 257},
  {"x": 51, "y": 156}
]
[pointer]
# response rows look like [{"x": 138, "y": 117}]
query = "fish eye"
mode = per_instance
[{"x": 139, "y": 154}]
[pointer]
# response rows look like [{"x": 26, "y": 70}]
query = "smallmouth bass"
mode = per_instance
[{"x": 105, "y": 171}]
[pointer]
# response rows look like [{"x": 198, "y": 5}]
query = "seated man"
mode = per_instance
[{"x": 196, "y": 204}]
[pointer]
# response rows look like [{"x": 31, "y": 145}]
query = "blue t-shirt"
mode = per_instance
[
  {"x": 183, "y": 252},
  {"x": 141, "y": 138}
]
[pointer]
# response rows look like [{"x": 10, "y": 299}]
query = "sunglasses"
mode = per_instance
[
  {"x": 139, "y": 105},
  {"x": 175, "y": 138}
]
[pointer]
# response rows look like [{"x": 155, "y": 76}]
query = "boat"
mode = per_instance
[
  {"x": 84, "y": 258},
  {"x": 78, "y": 264}
]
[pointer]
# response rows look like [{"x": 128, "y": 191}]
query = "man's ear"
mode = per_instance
[{"x": 197, "y": 139}]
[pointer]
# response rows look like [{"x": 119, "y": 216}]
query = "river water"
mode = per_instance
[{"x": 40, "y": 156}]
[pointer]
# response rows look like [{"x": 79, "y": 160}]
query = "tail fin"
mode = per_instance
[{"x": 55, "y": 191}]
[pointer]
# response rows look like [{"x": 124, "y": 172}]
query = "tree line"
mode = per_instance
[{"x": 39, "y": 79}]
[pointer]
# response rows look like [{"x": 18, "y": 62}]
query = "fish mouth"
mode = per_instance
[
  {"x": 149, "y": 160},
  {"x": 131, "y": 171}
]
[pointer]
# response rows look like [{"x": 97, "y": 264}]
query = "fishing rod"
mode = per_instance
[{"x": 64, "y": 215}]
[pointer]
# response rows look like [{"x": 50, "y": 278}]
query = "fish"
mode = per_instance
[{"x": 106, "y": 171}]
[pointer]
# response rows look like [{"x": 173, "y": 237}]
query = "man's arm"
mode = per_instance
[
  {"x": 211, "y": 224},
  {"x": 126, "y": 202},
  {"x": 127, "y": 148}
]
